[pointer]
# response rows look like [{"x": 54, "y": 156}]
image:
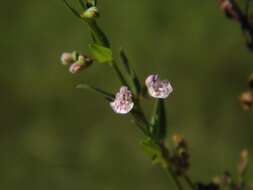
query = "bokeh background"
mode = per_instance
[{"x": 53, "y": 136}]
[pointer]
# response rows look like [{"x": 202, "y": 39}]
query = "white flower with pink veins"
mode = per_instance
[
  {"x": 123, "y": 102},
  {"x": 158, "y": 88}
]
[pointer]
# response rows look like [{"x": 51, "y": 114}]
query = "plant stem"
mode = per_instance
[
  {"x": 188, "y": 181},
  {"x": 170, "y": 173},
  {"x": 242, "y": 18}
]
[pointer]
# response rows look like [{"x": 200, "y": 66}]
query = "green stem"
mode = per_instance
[
  {"x": 188, "y": 181},
  {"x": 170, "y": 172},
  {"x": 98, "y": 34}
]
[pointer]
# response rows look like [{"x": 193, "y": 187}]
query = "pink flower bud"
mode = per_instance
[
  {"x": 75, "y": 68},
  {"x": 228, "y": 9},
  {"x": 67, "y": 58},
  {"x": 82, "y": 63},
  {"x": 123, "y": 102},
  {"x": 158, "y": 88}
]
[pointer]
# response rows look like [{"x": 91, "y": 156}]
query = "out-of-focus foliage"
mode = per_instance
[{"x": 54, "y": 136}]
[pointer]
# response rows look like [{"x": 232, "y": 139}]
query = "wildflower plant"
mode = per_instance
[{"x": 127, "y": 100}]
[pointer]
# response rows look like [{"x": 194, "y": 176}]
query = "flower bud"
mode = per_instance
[
  {"x": 75, "y": 68},
  {"x": 158, "y": 88},
  {"x": 67, "y": 58},
  {"x": 246, "y": 100},
  {"x": 177, "y": 139},
  {"x": 227, "y": 8},
  {"x": 123, "y": 102},
  {"x": 82, "y": 63},
  {"x": 90, "y": 13},
  {"x": 243, "y": 162}
]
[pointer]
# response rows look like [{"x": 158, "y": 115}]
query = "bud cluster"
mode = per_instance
[
  {"x": 181, "y": 155},
  {"x": 76, "y": 62}
]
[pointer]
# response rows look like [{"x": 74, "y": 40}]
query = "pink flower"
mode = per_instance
[
  {"x": 158, "y": 88},
  {"x": 123, "y": 102}
]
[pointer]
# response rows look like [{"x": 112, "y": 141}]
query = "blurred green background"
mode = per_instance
[{"x": 54, "y": 136}]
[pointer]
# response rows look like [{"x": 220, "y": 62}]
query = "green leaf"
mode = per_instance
[
  {"x": 98, "y": 34},
  {"x": 75, "y": 12},
  {"x": 101, "y": 54},
  {"x": 106, "y": 95},
  {"x": 153, "y": 150},
  {"x": 135, "y": 84},
  {"x": 158, "y": 121},
  {"x": 150, "y": 147}
]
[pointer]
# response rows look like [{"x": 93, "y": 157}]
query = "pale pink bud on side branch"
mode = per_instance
[
  {"x": 228, "y": 9},
  {"x": 77, "y": 62},
  {"x": 67, "y": 58},
  {"x": 75, "y": 68},
  {"x": 158, "y": 88},
  {"x": 123, "y": 102}
]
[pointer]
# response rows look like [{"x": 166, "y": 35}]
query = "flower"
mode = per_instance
[
  {"x": 123, "y": 102},
  {"x": 158, "y": 88}
]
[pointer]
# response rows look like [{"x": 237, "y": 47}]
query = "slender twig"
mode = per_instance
[
  {"x": 170, "y": 172},
  {"x": 247, "y": 7},
  {"x": 243, "y": 19},
  {"x": 188, "y": 181}
]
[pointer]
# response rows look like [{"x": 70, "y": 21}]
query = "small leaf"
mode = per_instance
[
  {"x": 158, "y": 121},
  {"x": 98, "y": 34},
  {"x": 75, "y": 12},
  {"x": 101, "y": 54},
  {"x": 106, "y": 95},
  {"x": 135, "y": 84},
  {"x": 125, "y": 61},
  {"x": 153, "y": 150},
  {"x": 150, "y": 147}
]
